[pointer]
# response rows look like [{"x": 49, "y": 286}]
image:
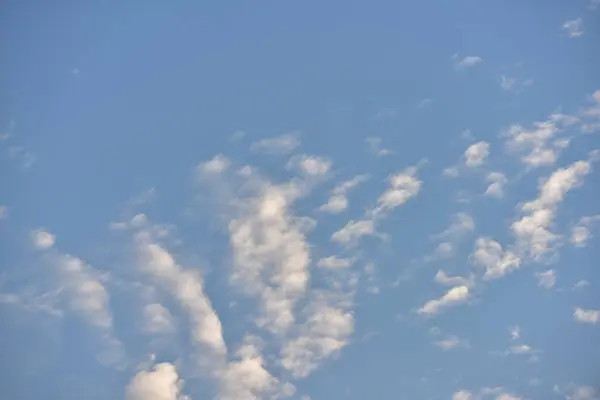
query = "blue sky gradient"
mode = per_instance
[{"x": 303, "y": 200}]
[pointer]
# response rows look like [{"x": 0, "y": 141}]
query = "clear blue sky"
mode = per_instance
[{"x": 303, "y": 200}]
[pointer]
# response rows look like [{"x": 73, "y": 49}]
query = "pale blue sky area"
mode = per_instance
[{"x": 304, "y": 200}]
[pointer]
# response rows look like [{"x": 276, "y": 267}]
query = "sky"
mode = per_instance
[{"x": 300, "y": 200}]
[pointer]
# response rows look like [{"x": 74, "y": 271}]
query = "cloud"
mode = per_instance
[
  {"x": 496, "y": 261},
  {"x": 186, "y": 286},
  {"x": 509, "y": 83},
  {"x": 467, "y": 61},
  {"x": 443, "y": 279},
  {"x": 215, "y": 166},
  {"x": 580, "y": 234},
  {"x": 282, "y": 144},
  {"x": 451, "y": 342},
  {"x": 157, "y": 319},
  {"x": 581, "y": 284},
  {"x": 485, "y": 393},
  {"x": 454, "y": 296},
  {"x": 573, "y": 28},
  {"x": 546, "y": 279},
  {"x": 351, "y": 233},
  {"x": 246, "y": 377},
  {"x": 335, "y": 262},
  {"x": 586, "y": 316},
  {"x": 374, "y": 147},
  {"x": 476, "y": 154},
  {"x": 582, "y": 393},
  {"x": 531, "y": 231},
  {"x": 536, "y": 143},
  {"x": 462, "y": 395},
  {"x": 42, "y": 239},
  {"x": 310, "y": 165},
  {"x": 515, "y": 332},
  {"x": 161, "y": 383},
  {"x": 462, "y": 223},
  {"x": 402, "y": 187},
  {"x": 338, "y": 201},
  {"x": 497, "y": 181}
]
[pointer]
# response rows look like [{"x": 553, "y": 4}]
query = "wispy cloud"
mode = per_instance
[
  {"x": 573, "y": 28},
  {"x": 466, "y": 61},
  {"x": 282, "y": 144}
]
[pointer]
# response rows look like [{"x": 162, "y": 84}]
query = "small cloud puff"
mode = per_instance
[{"x": 42, "y": 239}]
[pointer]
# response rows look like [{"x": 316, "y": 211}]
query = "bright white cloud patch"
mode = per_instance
[
  {"x": 581, "y": 234},
  {"x": 496, "y": 261},
  {"x": 443, "y": 279},
  {"x": 573, "y": 28},
  {"x": 338, "y": 201},
  {"x": 476, "y": 154},
  {"x": 532, "y": 230},
  {"x": 161, "y": 383},
  {"x": 157, "y": 319},
  {"x": 454, "y": 296},
  {"x": 214, "y": 166},
  {"x": 586, "y": 316}
]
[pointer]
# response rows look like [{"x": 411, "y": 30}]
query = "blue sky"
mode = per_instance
[{"x": 303, "y": 200}]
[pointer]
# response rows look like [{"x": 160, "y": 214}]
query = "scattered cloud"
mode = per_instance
[
  {"x": 157, "y": 319},
  {"x": 532, "y": 230},
  {"x": 374, "y": 147},
  {"x": 496, "y": 181},
  {"x": 454, "y": 296},
  {"x": 476, "y": 154},
  {"x": 451, "y": 342},
  {"x": 546, "y": 279},
  {"x": 282, "y": 144},
  {"x": 573, "y": 28},
  {"x": 338, "y": 201},
  {"x": 581, "y": 285},
  {"x": 496, "y": 261},
  {"x": 443, "y": 279},
  {"x": 215, "y": 166},
  {"x": 353, "y": 231},
  {"x": 509, "y": 83},
  {"x": 42, "y": 239},
  {"x": 160, "y": 383},
  {"x": 466, "y": 62},
  {"x": 580, "y": 233},
  {"x": 515, "y": 332},
  {"x": 335, "y": 262},
  {"x": 586, "y": 316}
]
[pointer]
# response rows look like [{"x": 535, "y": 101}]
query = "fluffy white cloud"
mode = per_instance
[
  {"x": 466, "y": 62},
  {"x": 496, "y": 261},
  {"x": 515, "y": 332},
  {"x": 351, "y": 233},
  {"x": 246, "y": 377},
  {"x": 187, "y": 287},
  {"x": 586, "y": 316},
  {"x": 462, "y": 395},
  {"x": 546, "y": 279},
  {"x": 476, "y": 154},
  {"x": 157, "y": 319},
  {"x": 310, "y": 165},
  {"x": 42, "y": 239},
  {"x": 535, "y": 143},
  {"x": 454, "y": 296},
  {"x": 573, "y": 28},
  {"x": 402, "y": 187},
  {"x": 496, "y": 181},
  {"x": 282, "y": 144},
  {"x": 161, "y": 383},
  {"x": 532, "y": 233},
  {"x": 450, "y": 342},
  {"x": 338, "y": 201}
]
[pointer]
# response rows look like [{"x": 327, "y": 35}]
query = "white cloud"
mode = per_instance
[
  {"x": 583, "y": 393},
  {"x": 497, "y": 181},
  {"x": 283, "y": 144},
  {"x": 351, "y": 233},
  {"x": 215, "y": 166},
  {"x": 42, "y": 239},
  {"x": 326, "y": 331},
  {"x": 462, "y": 395},
  {"x": 187, "y": 287},
  {"x": 443, "y": 279},
  {"x": 462, "y": 223},
  {"x": 338, "y": 201},
  {"x": 454, "y": 296},
  {"x": 536, "y": 143},
  {"x": 451, "y": 342},
  {"x": 580, "y": 234},
  {"x": 310, "y": 165},
  {"x": 581, "y": 284},
  {"x": 466, "y": 62},
  {"x": 476, "y": 154},
  {"x": 586, "y": 316},
  {"x": 509, "y": 83},
  {"x": 246, "y": 377},
  {"x": 531, "y": 231},
  {"x": 335, "y": 262},
  {"x": 496, "y": 261},
  {"x": 161, "y": 383},
  {"x": 402, "y": 187},
  {"x": 485, "y": 393},
  {"x": 157, "y": 319},
  {"x": 573, "y": 28},
  {"x": 546, "y": 279}
]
